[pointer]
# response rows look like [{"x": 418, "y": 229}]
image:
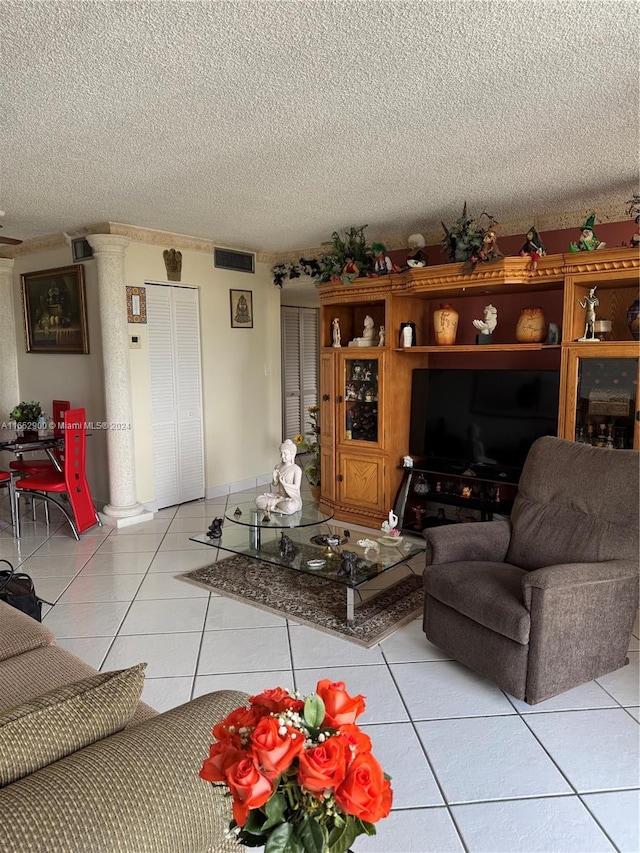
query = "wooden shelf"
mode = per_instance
[{"x": 479, "y": 348}]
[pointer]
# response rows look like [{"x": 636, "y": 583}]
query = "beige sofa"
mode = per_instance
[{"x": 134, "y": 791}]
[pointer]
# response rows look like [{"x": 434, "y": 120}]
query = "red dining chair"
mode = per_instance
[{"x": 72, "y": 482}]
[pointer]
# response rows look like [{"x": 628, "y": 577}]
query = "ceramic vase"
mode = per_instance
[
  {"x": 633, "y": 319},
  {"x": 445, "y": 325},
  {"x": 315, "y": 492},
  {"x": 531, "y": 327}
]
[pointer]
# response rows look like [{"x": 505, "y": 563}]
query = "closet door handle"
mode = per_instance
[{"x": 325, "y": 398}]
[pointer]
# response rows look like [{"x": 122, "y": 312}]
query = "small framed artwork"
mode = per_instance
[
  {"x": 55, "y": 311},
  {"x": 136, "y": 305},
  {"x": 241, "y": 309}
]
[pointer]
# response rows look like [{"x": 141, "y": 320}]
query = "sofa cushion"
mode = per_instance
[
  {"x": 58, "y": 723},
  {"x": 488, "y": 593},
  {"x": 20, "y": 633}
]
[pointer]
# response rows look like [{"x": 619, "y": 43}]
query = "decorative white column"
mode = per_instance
[
  {"x": 9, "y": 387},
  {"x": 123, "y": 507}
]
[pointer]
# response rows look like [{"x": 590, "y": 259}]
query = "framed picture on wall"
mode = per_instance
[
  {"x": 55, "y": 311},
  {"x": 241, "y": 309}
]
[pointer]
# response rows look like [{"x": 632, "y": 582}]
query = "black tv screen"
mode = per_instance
[{"x": 485, "y": 419}]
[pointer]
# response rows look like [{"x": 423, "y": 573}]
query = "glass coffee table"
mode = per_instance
[{"x": 316, "y": 547}]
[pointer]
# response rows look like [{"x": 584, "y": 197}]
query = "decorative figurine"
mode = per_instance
[
  {"x": 381, "y": 337},
  {"x": 589, "y": 303},
  {"x": 335, "y": 332},
  {"x": 533, "y": 247},
  {"x": 416, "y": 244},
  {"x": 382, "y": 263},
  {"x": 349, "y": 565},
  {"x": 464, "y": 239},
  {"x": 287, "y": 547},
  {"x": 588, "y": 241},
  {"x": 173, "y": 264},
  {"x": 215, "y": 529},
  {"x": 489, "y": 250},
  {"x": 368, "y": 335},
  {"x": 266, "y": 518},
  {"x": 407, "y": 461},
  {"x": 350, "y": 270},
  {"x": 487, "y": 326},
  {"x": 237, "y": 511},
  {"x": 390, "y": 527},
  {"x": 287, "y": 476},
  {"x": 553, "y": 334}
]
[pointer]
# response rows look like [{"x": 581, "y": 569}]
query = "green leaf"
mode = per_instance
[
  {"x": 279, "y": 840},
  {"x": 341, "y": 838},
  {"x": 275, "y": 808},
  {"x": 311, "y": 835},
  {"x": 314, "y": 711}
]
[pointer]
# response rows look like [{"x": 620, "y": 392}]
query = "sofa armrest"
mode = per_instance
[
  {"x": 570, "y": 575},
  {"x": 454, "y": 543},
  {"x": 581, "y": 621},
  {"x": 137, "y": 791}
]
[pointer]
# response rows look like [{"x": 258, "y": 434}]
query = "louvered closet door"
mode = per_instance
[
  {"x": 176, "y": 393},
  {"x": 299, "y": 367}
]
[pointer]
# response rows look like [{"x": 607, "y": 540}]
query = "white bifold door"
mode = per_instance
[
  {"x": 173, "y": 321},
  {"x": 299, "y": 367}
]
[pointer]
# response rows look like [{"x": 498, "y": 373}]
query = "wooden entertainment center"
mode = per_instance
[{"x": 366, "y": 390}]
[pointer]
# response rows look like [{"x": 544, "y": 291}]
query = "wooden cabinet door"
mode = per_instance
[
  {"x": 327, "y": 425},
  {"x": 360, "y": 391},
  {"x": 361, "y": 480}
]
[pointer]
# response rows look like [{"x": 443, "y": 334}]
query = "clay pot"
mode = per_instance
[
  {"x": 445, "y": 325},
  {"x": 531, "y": 327},
  {"x": 315, "y": 493}
]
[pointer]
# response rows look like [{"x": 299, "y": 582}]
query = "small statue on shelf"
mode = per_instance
[
  {"x": 533, "y": 247},
  {"x": 381, "y": 337},
  {"x": 417, "y": 259},
  {"x": 335, "y": 333},
  {"x": 590, "y": 303},
  {"x": 287, "y": 547},
  {"x": 588, "y": 241},
  {"x": 382, "y": 263},
  {"x": 487, "y": 326},
  {"x": 633, "y": 209},
  {"x": 350, "y": 270}
]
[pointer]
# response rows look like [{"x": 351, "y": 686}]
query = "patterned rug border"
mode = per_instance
[{"x": 309, "y": 600}]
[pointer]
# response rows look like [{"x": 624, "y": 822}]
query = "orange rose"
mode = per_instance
[
  {"x": 356, "y": 739},
  {"x": 340, "y": 708},
  {"x": 365, "y": 793},
  {"x": 324, "y": 766},
  {"x": 274, "y": 746},
  {"x": 240, "y": 718},
  {"x": 277, "y": 700},
  {"x": 249, "y": 788},
  {"x": 221, "y": 756}
]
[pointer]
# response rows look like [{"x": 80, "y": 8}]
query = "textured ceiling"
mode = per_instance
[{"x": 268, "y": 125}]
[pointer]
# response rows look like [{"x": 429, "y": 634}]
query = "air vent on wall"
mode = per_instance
[
  {"x": 226, "y": 259},
  {"x": 81, "y": 250}
]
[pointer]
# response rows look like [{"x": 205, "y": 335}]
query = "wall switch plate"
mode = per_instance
[{"x": 134, "y": 342}]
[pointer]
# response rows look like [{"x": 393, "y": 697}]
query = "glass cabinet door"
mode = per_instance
[
  {"x": 360, "y": 378},
  {"x": 606, "y": 400}
]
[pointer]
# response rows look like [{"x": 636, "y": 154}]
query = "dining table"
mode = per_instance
[{"x": 48, "y": 443}]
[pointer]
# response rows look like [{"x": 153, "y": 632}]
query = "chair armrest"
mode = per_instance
[
  {"x": 570, "y": 575},
  {"x": 453, "y": 543},
  {"x": 137, "y": 791}
]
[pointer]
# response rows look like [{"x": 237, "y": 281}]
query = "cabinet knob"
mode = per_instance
[
  {"x": 340, "y": 398},
  {"x": 325, "y": 398},
  {"x": 340, "y": 478}
]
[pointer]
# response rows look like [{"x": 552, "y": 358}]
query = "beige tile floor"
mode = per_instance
[{"x": 473, "y": 768}]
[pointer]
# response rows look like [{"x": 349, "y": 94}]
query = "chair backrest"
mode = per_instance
[
  {"x": 74, "y": 468},
  {"x": 58, "y": 408},
  {"x": 575, "y": 503}
]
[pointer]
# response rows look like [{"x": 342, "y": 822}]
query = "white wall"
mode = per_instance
[{"x": 240, "y": 368}]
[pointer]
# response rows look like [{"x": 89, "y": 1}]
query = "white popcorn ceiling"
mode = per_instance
[{"x": 267, "y": 125}]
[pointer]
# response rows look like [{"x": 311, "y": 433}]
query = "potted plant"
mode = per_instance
[
  {"x": 309, "y": 443},
  {"x": 26, "y": 417}
]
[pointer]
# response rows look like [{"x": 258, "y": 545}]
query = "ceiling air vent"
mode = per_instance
[
  {"x": 229, "y": 260},
  {"x": 81, "y": 250}
]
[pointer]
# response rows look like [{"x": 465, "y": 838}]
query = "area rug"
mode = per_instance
[{"x": 309, "y": 600}]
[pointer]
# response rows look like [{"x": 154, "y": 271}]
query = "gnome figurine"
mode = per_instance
[{"x": 588, "y": 241}]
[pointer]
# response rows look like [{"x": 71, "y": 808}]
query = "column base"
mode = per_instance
[{"x": 114, "y": 516}]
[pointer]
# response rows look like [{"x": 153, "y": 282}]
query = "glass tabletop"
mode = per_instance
[
  {"x": 251, "y": 516},
  {"x": 309, "y": 557}
]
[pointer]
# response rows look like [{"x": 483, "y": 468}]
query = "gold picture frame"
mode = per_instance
[
  {"x": 55, "y": 310},
  {"x": 241, "y": 309}
]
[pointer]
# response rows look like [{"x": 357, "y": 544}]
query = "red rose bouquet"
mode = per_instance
[{"x": 300, "y": 772}]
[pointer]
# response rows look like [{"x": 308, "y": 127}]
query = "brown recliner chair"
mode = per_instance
[{"x": 546, "y": 600}]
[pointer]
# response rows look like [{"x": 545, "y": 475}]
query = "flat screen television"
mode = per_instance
[{"x": 481, "y": 419}]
